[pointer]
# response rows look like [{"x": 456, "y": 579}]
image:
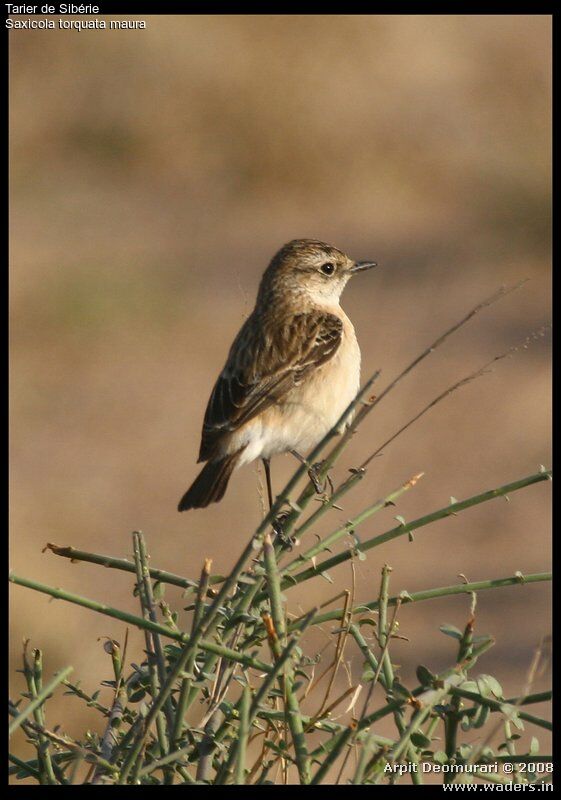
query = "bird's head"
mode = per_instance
[{"x": 310, "y": 270}]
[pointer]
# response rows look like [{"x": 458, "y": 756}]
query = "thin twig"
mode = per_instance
[{"x": 484, "y": 370}]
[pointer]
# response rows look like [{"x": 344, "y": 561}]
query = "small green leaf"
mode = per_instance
[
  {"x": 488, "y": 685},
  {"x": 465, "y": 751},
  {"x": 469, "y": 686},
  {"x": 136, "y": 696},
  {"x": 419, "y": 739},
  {"x": 517, "y": 722},
  {"x": 424, "y": 675},
  {"x": 481, "y": 638},
  {"x": 481, "y": 716},
  {"x": 451, "y": 630},
  {"x": 399, "y": 690}
]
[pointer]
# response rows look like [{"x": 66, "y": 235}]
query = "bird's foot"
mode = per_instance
[
  {"x": 286, "y": 541},
  {"x": 314, "y": 474}
]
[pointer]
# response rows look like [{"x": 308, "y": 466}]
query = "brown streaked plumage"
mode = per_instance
[{"x": 291, "y": 371}]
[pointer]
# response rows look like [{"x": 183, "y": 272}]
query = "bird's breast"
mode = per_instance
[
  {"x": 306, "y": 413},
  {"x": 334, "y": 385}
]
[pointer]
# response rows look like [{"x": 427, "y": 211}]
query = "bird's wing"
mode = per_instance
[{"x": 266, "y": 362}]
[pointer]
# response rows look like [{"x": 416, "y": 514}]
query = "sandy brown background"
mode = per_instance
[{"x": 153, "y": 175}]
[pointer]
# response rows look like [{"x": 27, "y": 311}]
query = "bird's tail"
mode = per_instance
[{"x": 209, "y": 486}]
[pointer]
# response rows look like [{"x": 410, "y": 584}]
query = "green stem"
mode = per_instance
[
  {"x": 401, "y": 530},
  {"x": 38, "y": 701},
  {"x": 427, "y": 700},
  {"x": 124, "y": 565},
  {"x": 347, "y": 528},
  {"x": 529, "y": 699},
  {"x": 139, "y": 622},
  {"x": 186, "y": 683},
  {"x": 27, "y": 767},
  {"x": 171, "y": 758},
  {"x": 384, "y": 634},
  {"x": 206, "y": 627},
  {"x": 503, "y": 706},
  {"x": 341, "y": 740},
  {"x": 154, "y": 655},
  {"x": 432, "y": 594},
  {"x": 263, "y": 692},
  {"x": 75, "y": 690},
  {"x": 452, "y": 715},
  {"x": 241, "y": 742},
  {"x": 451, "y": 675},
  {"x": 34, "y": 676},
  {"x": 286, "y": 678},
  {"x": 326, "y": 505},
  {"x": 383, "y": 628}
]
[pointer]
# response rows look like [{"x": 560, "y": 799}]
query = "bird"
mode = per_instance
[{"x": 292, "y": 370}]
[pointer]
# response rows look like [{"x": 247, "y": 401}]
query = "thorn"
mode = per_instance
[{"x": 412, "y": 481}]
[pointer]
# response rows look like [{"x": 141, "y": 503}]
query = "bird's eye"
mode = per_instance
[{"x": 328, "y": 268}]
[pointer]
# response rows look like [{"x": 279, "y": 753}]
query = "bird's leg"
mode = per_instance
[
  {"x": 314, "y": 473},
  {"x": 279, "y": 519},
  {"x": 267, "y": 466}
]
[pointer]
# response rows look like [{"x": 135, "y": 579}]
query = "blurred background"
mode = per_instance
[{"x": 153, "y": 175}]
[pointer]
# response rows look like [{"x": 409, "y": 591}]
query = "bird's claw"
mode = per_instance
[
  {"x": 314, "y": 474},
  {"x": 287, "y": 542}
]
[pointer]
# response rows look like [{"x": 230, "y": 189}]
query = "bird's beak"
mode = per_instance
[{"x": 360, "y": 266}]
